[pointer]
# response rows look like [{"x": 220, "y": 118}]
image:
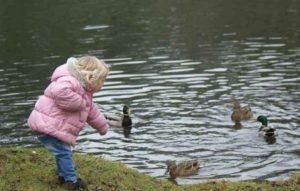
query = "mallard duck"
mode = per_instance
[
  {"x": 264, "y": 129},
  {"x": 240, "y": 113},
  {"x": 121, "y": 121},
  {"x": 185, "y": 168}
]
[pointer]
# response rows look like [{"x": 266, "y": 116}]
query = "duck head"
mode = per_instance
[
  {"x": 171, "y": 166},
  {"x": 126, "y": 110},
  {"x": 263, "y": 120},
  {"x": 236, "y": 104}
]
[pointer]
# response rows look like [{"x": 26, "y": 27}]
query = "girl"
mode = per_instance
[{"x": 61, "y": 113}]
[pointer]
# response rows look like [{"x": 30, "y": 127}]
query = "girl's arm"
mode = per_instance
[{"x": 97, "y": 120}]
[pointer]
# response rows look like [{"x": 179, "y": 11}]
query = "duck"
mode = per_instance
[
  {"x": 240, "y": 113},
  {"x": 185, "y": 168},
  {"x": 121, "y": 121},
  {"x": 265, "y": 130}
]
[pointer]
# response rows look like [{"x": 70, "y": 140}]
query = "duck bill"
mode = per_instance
[{"x": 129, "y": 111}]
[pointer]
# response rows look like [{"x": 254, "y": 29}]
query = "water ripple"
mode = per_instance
[{"x": 181, "y": 99}]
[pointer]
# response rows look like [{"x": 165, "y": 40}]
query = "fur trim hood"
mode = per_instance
[{"x": 71, "y": 65}]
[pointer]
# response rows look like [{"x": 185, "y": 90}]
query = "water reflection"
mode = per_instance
[{"x": 178, "y": 64}]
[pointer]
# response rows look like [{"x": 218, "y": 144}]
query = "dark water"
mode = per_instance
[{"x": 177, "y": 63}]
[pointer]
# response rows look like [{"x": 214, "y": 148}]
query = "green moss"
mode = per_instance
[{"x": 34, "y": 169}]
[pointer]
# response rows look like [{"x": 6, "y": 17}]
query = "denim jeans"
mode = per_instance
[{"x": 63, "y": 156}]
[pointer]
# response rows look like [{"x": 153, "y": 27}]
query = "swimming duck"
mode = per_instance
[
  {"x": 121, "y": 121},
  {"x": 264, "y": 130},
  {"x": 240, "y": 113},
  {"x": 185, "y": 168}
]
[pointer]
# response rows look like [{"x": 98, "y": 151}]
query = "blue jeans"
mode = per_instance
[{"x": 63, "y": 156}]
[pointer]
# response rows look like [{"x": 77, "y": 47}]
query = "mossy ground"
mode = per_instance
[{"x": 33, "y": 169}]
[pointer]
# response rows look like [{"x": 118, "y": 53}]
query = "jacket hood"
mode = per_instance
[
  {"x": 60, "y": 72},
  {"x": 69, "y": 69},
  {"x": 71, "y": 65}
]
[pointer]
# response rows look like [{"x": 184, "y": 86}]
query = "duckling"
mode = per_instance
[
  {"x": 121, "y": 121},
  {"x": 185, "y": 168},
  {"x": 240, "y": 113},
  {"x": 264, "y": 130}
]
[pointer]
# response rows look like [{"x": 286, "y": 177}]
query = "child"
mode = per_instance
[{"x": 61, "y": 113}]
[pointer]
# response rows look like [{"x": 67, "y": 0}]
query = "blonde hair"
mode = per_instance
[{"x": 92, "y": 70}]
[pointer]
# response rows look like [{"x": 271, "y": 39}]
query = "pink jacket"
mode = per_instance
[{"x": 64, "y": 109}]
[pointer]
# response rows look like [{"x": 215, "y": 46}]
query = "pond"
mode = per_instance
[{"x": 177, "y": 64}]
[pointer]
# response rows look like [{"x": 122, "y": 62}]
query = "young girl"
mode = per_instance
[{"x": 61, "y": 113}]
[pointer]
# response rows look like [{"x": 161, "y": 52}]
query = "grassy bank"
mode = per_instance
[{"x": 24, "y": 169}]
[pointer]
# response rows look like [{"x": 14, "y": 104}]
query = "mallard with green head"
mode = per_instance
[
  {"x": 121, "y": 121},
  {"x": 240, "y": 113},
  {"x": 186, "y": 168},
  {"x": 264, "y": 129}
]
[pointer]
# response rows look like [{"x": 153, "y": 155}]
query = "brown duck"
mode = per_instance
[
  {"x": 185, "y": 168},
  {"x": 240, "y": 113}
]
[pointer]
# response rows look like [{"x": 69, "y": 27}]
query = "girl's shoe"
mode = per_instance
[
  {"x": 76, "y": 186},
  {"x": 61, "y": 180}
]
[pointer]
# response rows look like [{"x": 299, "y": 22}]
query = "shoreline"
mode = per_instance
[{"x": 34, "y": 169}]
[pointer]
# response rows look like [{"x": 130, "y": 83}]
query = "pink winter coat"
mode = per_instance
[{"x": 65, "y": 108}]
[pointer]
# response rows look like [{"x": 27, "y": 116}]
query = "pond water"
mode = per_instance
[{"x": 177, "y": 64}]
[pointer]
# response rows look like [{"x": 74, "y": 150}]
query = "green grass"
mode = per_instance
[{"x": 33, "y": 169}]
